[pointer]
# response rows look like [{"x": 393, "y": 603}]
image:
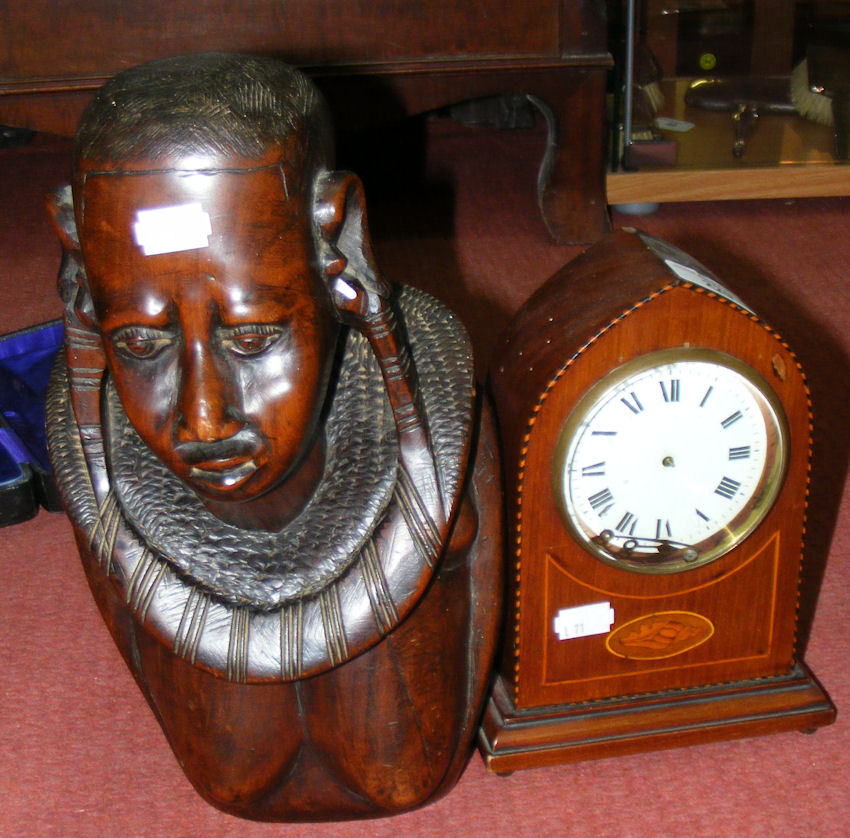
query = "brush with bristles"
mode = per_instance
[
  {"x": 811, "y": 101},
  {"x": 820, "y": 92}
]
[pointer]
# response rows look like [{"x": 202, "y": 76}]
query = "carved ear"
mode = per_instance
[
  {"x": 60, "y": 206},
  {"x": 345, "y": 248},
  {"x": 73, "y": 286}
]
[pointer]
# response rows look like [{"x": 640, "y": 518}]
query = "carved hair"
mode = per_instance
[{"x": 195, "y": 104}]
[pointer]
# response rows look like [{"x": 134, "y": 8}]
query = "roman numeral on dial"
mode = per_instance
[
  {"x": 594, "y": 470},
  {"x": 727, "y": 488},
  {"x": 662, "y": 529},
  {"x": 731, "y": 419},
  {"x": 627, "y": 524},
  {"x": 632, "y": 402},
  {"x": 601, "y": 500},
  {"x": 670, "y": 390}
]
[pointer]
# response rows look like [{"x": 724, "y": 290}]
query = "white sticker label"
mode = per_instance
[
  {"x": 703, "y": 280},
  {"x": 688, "y": 269},
  {"x": 665, "y": 123},
  {"x": 172, "y": 229},
  {"x": 584, "y": 620}
]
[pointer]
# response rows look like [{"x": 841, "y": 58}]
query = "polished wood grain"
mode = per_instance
[
  {"x": 738, "y": 593},
  {"x": 388, "y": 731},
  {"x": 375, "y": 61},
  {"x": 511, "y": 739},
  {"x": 745, "y": 183},
  {"x": 339, "y": 31},
  {"x": 617, "y": 302},
  {"x": 308, "y": 592}
]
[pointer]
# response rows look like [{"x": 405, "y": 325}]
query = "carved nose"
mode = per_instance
[{"x": 207, "y": 412}]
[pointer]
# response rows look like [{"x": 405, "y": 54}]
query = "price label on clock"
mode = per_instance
[{"x": 583, "y": 620}]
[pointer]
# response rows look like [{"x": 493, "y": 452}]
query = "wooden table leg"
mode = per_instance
[{"x": 571, "y": 180}]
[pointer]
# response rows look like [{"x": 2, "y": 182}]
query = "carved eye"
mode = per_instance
[
  {"x": 141, "y": 343},
  {"x": 251, "y": 340}
]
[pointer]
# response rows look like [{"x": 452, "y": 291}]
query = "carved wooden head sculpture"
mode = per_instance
[
  {"x": 195, "y": 194},
  {"x": 262, "y": 446}
]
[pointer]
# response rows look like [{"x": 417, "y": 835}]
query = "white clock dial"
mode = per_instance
[{"x": 670, "y": 460}]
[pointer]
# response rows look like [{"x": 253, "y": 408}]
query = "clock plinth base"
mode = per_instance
[{"x": 512, "y": 739}]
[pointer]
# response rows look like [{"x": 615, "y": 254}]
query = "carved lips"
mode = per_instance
[{"x": 224, "y": 463}]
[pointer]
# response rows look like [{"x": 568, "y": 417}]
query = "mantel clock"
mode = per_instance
[{"x": 657, "y": 439}]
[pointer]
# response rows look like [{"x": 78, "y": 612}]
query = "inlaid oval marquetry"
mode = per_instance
[{"x": 659, "y": 635}]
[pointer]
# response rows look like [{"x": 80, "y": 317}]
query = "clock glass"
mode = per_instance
[{"x": 670, "y": 460}]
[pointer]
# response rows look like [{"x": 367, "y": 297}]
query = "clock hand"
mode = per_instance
[{"x": 628, "y": 546}]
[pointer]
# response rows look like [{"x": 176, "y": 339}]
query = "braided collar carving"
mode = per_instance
[
  {"x": 283, "y": 619},
  {"x": 251, "y": 567}
]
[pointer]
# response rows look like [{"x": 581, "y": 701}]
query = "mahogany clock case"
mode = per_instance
[{"x": 715, "y": 652}]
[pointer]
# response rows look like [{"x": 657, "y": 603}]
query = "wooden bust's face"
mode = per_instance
[{"x": 218, "y": 334}]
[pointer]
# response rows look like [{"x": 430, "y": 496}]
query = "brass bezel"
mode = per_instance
[{"x": 762, "y": 499}]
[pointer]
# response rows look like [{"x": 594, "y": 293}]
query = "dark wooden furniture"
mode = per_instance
[{"x": 374, "y": 60}]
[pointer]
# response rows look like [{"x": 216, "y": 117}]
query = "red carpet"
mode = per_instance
[{"x": 80, "y": 752}]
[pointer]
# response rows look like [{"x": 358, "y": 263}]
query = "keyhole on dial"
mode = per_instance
[{"x": 668, "y": 462}]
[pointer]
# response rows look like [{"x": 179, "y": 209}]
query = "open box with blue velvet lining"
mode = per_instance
[{"x": 26, "y": 479}]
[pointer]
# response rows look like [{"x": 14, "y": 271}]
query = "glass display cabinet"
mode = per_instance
[{"x": 730, "y": 99}]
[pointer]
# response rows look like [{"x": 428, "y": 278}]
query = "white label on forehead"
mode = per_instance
[{"x": 172, "y": 229}]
